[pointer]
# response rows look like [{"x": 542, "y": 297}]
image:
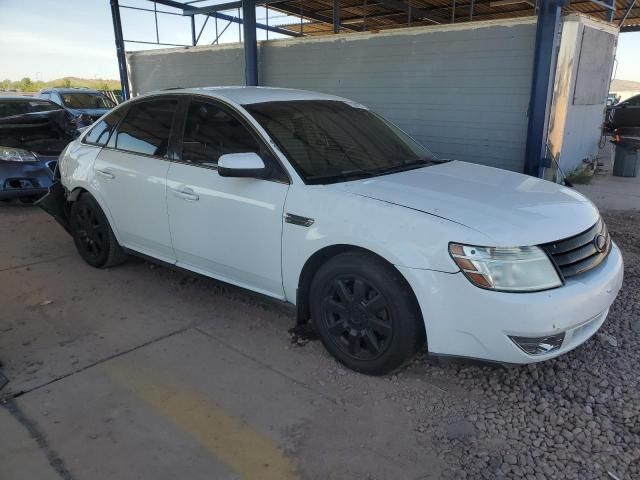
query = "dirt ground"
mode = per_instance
[{"x": 141, "y": 372}]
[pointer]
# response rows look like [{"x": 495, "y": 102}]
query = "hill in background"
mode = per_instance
[
  {"x": 28, "y": 85},
  {"x": 624, "y": 86}
]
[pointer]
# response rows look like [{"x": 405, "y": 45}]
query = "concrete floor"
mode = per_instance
[
  {"x": 609, "y": 192},
  {"x": 613, "y": 193},
  {"x": 141, "y": 372}
]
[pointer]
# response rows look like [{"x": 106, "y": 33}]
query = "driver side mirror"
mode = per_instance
[{"x": 242, "y": 165}]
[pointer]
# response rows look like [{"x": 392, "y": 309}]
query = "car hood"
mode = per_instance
[
  {"x": 510, "y": 208},
  {"x": 45, "y": 133}
]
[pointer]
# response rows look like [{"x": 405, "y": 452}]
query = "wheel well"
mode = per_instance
[
  {"x": 73, "y": 195},
  {"x": 312, "y": 265}
]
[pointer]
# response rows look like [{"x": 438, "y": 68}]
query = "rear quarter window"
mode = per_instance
[
  {"x": 146, "y": 128},
  {"x": 100, "y": 133}
]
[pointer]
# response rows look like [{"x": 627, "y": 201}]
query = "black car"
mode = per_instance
[
  {"x": 625, "y": 114},
  {"x": 33, "y": 133},
  {"x": 84, "y": 104}
]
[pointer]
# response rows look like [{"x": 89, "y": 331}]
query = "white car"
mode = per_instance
[{"x": 317, "y": 201}]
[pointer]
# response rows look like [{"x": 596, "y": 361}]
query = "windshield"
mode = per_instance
[
  {"x": 10, "y": 107},
  {"x": 330, "y": 141},
  {"x": 86, "y": 100}
]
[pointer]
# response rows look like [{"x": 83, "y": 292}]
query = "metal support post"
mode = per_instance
[
  {"x": 122, "y": 60},
  {"x": 250, "y": 42},
  {"x": 542, "y": 85}
]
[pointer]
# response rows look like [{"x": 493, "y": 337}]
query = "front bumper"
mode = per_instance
[
  {"x": 467, "y": 321},
  {"x": 29, "y": 179}
]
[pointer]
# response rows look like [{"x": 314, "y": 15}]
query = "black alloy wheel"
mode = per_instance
[
  {"x": 90, "y": 231},
  {"x": 365, "y": 313},
  {"x": 358, "y": 318},
  {"x": 92, "y": 234}
]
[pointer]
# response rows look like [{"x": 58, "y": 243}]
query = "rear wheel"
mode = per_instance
[
  {"x": 365, "y": 313},
  {"x": 92, "y": 234}
]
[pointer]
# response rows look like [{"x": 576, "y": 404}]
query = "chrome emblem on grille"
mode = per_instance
[{"x": 600, "y": 242}]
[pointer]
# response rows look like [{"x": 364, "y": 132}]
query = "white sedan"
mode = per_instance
[{"x": 317, "y": 201}]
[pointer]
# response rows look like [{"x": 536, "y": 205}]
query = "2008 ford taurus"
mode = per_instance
[{"x": 317, "y": 201}]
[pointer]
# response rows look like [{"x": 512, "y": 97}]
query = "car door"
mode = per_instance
[
  {"x": 227, "y": 228},
  {"x": 130, "y": 175}
]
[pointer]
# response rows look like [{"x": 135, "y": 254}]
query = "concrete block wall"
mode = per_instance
[{"x": 461, "y": 90}]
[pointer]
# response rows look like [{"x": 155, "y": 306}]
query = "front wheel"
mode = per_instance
[
  {"x": 365, "y": 313},
  {"x": 92, "y": 234}
]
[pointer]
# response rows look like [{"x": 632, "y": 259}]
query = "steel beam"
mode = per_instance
[
  {"x": 416, "y": 13},
  {"x": 627, "y": 12},
  {"x": 269, "y": 28},
  {"x": 318, "y": 17},
  {"x": 194, "y": 39},
  {"x": 214, "y": 8},
  {"x": 542, "y": 85},
  {"x": 122, "y": 59},
  {"x": 336, "y": 16},
  {"x": 173, "y": 4},
  {"x": 250, "y": 43},
  {"x": 612, "y": 13}
]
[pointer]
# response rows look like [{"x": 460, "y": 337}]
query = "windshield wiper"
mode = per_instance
[
  {"x": 403, "y": 167},
  {"x": 343, "y": 176}
]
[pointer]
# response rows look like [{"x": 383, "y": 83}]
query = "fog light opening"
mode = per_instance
[{"x": 539, "y": 345}]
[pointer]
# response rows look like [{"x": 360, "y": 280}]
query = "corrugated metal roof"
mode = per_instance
[{"x": 361, "y": 15}]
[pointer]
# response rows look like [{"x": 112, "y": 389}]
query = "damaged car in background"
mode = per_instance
[
  {"x": 84, "y": 105},
  {"x": 33, "y": 133}
]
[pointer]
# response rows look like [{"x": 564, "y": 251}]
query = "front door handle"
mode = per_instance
[
  {"x": 105, "y": 173},
  {"x": 186, "y": 194}
]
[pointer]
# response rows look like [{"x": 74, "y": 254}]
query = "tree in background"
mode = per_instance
[{"x": 26, "y": 84}]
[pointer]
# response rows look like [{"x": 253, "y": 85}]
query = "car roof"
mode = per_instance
[
  {"x": 70, "y": 90},
  {"x": 249, "y": 95},
  {"x": 24, "y": 98}
]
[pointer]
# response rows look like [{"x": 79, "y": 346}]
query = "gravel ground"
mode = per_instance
[{"x": 575, "y": 417}]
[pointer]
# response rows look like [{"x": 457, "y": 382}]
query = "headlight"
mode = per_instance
[
  {"x": 9, "y": 154},
  {"x": 511, "y": 269}
]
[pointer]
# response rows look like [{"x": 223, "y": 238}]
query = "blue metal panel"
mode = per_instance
[
  {"x": 250, "y": 42},
  {"x": 611, "y": 14},
  {"x": 542, "y": 85}
]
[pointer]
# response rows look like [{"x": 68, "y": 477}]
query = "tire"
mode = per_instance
[
  {"x": 365, "y": 313},
  {"x": 92, "y": 234}
]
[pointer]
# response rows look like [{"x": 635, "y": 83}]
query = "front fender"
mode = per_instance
[{"x": 402, "y": 236}]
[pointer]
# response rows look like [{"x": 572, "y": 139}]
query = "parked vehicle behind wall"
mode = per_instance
[{"x": 625, "y": 114}]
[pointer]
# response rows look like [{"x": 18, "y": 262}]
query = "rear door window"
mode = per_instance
[{"x": 146, "y": 128}]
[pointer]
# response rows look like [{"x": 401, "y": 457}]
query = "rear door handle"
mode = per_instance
[
  {"x": 186, "y": 194},
  {"x": 106, "y": 173}
]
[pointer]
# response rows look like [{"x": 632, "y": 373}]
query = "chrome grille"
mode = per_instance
[{"x": 582, "y": 252}]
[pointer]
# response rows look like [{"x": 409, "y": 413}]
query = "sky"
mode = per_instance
[{"x": 47, "y": 39}]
